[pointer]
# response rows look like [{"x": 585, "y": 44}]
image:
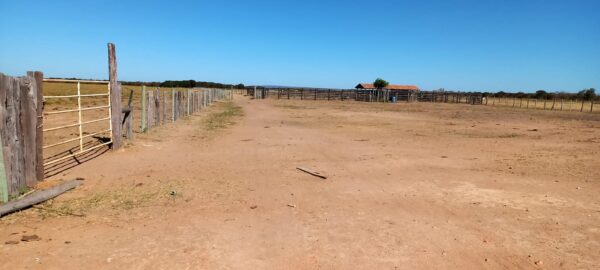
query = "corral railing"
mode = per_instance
[
  {"x": 365, "y": 95},
  {"x": 554, "y": 104}
]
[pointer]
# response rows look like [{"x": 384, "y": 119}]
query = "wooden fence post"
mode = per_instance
[
  {"x": 157, "y": 104},
  {"x": 39, "y": 131},
  {"x": 115, "y": 98},
  {"x": 164, "y": 106},
  {"x": 150, "y": 108},
  {"x": 172, "y": 104},
  {"x": 561, "y": 104},
  {"x": 188, "y": 101},
  {"x": 144, "y": 110},
  {"x": 3, "y": 176}
]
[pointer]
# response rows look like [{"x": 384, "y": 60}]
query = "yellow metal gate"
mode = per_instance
[{"x": 75, "y": 122}]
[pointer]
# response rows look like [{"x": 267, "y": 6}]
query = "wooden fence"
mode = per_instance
[
  {"x": 364, "y": 95},
  {"x": 160, "y": 106},
  {"x": 22, "y": 123},
  {"x": 422, "y": 96},
  {"x": 21, "y": 108},
  {"x": 545, "y": 104}
]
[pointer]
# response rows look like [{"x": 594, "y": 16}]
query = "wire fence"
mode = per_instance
[{"x": 545, "y": 104}]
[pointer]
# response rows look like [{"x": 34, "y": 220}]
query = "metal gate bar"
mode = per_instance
[{"x": 80, "y": 123}]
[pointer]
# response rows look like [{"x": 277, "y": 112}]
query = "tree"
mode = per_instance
[
  {"x": 541, "y": 94},
  {"x": 587, "y": 94},
  {"x": 240, "y": 86},
  {"x": 380, "y": 83},
  {"x": 520, "y": 95}
]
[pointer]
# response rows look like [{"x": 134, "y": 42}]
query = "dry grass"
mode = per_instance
[
  {"x": 125, "y": 198},
  {"x": 225, "y": 116}
]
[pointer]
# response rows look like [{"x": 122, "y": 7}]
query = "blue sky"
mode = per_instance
[{"x": 453, "y": 44}]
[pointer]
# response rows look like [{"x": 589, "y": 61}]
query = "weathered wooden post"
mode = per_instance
[
  {"x": 561, "y": 104},
  {"x": 157, "y": 104},
  {"x": 164, "y": 106},
  {"x": 150, "y": 110},
  {"x": 115, "y": 98},
  {"x": 3, "y": 176},
  {"x": 39, "y": 130},
  {"x": 188, "y": 101},
  {"x": 144, "y": 110},
  {"x": 173, "y": 105}
]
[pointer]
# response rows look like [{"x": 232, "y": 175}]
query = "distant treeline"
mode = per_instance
[
  {"x": 192, "y": 83},
  {"x": 585, "y": 94},
  {"x": 180, "y": 84}
]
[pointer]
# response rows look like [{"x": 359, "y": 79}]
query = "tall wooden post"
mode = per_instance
[
  {"x": 3, "y": 176},
  {"x": 115, "y": 98},
  {"x": 173, "y": 105},
  {"x": 144, "y": 110},
  {"x": 39, "y": 134}
]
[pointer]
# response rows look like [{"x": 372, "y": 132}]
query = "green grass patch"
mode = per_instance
[{"x": 224, "y": 117}]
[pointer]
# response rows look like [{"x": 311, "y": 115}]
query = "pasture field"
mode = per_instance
[{"x": 409, "y": 186}]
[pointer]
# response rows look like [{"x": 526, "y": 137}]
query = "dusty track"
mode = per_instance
[{"x": 410, "y": 186}]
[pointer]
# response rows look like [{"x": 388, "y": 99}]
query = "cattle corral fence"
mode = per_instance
[
  {"x": 381, "y": 95},
  {"x": 422, "y": 96}
]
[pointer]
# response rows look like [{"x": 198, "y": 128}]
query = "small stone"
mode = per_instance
[
  {"x": 253, "y": 207},
  {"x": 539, "y": 263},
  {"x": 11, "y": 242},
  {"x": 29, "y": 238},
  {"x": 67, "y": 242}
]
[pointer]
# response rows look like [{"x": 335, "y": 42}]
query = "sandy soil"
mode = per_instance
[{"x": 410, "y": 186}]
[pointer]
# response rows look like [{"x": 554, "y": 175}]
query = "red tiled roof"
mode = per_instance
[{"x": 389, "y": 87}]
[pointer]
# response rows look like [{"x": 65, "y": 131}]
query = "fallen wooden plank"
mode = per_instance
[
  {"x": 38, "y": 197},
  {"x": 313, "y": 173}
]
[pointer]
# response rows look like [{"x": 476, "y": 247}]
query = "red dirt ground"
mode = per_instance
[{"x": 410, "y": 186}]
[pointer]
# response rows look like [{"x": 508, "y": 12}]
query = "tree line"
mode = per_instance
[
  {"x": 169, "y": 83},
  {"x": 585, "y": 94}
]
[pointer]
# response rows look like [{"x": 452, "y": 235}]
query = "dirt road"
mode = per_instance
[{"x": 410, "y": 186}]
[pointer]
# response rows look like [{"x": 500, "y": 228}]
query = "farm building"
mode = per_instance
[
  {"x": 391, "y": 87},
  {"x": 392, "y": 91}
]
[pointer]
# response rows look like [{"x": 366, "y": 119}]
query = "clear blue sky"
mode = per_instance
[{"x": 491, "y": 45}]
